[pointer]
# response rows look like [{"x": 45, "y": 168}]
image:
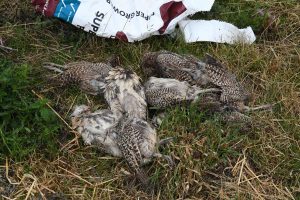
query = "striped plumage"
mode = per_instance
[
  {"x": 131, "y": 138},
  {"x": 165, "y": 92},
  {"x": 124, "y": 86},
  {"x": 95, "y": 128},
  {"x": 196, "y": 72},
  {"x": 137, "y": 141},
  {"x": 136, "y": 138},
  {"x": 89, "y": 76},
  {"x": 166, "y": 64},
  {"x": 232, "y": 90}
]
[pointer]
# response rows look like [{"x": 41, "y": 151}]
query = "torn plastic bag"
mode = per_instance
[{"x": 134, "y": 20}]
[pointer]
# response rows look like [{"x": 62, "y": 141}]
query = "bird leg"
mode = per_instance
[
  {"x": 165, "y": 157},
  {"x": 258, "y": 108},
  {"x": 158, "y": 119},
  {"x": 170, "y": 161},
  {"x": 159, "y": 155},
  {"x": 53, "y": 67},
  {"x": 202, "y": 91},
  {"x": 165, "y": 141}
]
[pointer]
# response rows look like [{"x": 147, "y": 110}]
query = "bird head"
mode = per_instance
[
  {"x": 119, "y": 73},
  {"x": 149, "y": 63},
  {"x": 114, "y": 60},
  {"x": 120, "y": 78},
  {"x": 79, "y": 110},
  {"x": 152, "y": 82}
]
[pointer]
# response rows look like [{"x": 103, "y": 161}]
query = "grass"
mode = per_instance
[
  {"x": 214, "y": 160},
  {"x": 26, "y": 123}
]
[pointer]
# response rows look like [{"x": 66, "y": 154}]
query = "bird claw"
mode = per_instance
[
  {"x": 52, "y": 67},
  {"x": 145, "y": 161},
  {"x": 170, "y": 161},
  {"x": 268, "y": 107},
  {"x": 165, "y": 141},
  {"x": 158, "y": 119}
]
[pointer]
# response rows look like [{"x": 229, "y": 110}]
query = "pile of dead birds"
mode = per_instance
[{"x": 123, "y": 129}]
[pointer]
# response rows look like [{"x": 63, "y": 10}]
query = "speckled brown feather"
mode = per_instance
[
  {"x": 163, "y": 98},
  {"x": 128, "y": 141},
  {"x": 195, "y": 72},
  {"x": 164, "y": 92},
  {"x": 89, "y": 76},
  {"x": 125, "y": 86},
  {"x": 232, "y": 90},
  {"x": 167, "y": 64},
  {"x": 79, "y": 72}
]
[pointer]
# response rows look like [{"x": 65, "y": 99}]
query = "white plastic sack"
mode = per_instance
[
  {"x": 134, "y": 20},
  {"x": 215, "y": 31}
]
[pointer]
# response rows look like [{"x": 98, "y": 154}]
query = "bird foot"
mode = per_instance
[
  {"x": 170, "y": 161},
  {"x": 268, "y": 107},
  {"x": 165, "y": 141},
  {"x": 204, "y": 91},
  {"x": 158, "y": 119},
  {"x": 53, "y": 67}
]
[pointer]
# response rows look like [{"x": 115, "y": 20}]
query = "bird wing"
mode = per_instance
[
  {"x": 134, "y": 103},
  {"x": 128, "y": 143},
  {"x": 232, "y": 89},
  {"x": 162, "y": 98},
  {"x": 218, "y": 74},
  {"x": 180, "y": 75},
  {"x": 148, "y": 137},
  {"x": 169, "y": 65},
  {"x": 191, "y": 59}
]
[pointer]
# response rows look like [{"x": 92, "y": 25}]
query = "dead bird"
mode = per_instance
[
  {"x": 165, "y": 92},
  {"x": 94, "y": 128},
  {"x": 136, "y": 138},
  {"x": 138, "y": 142},
  {"x": 118, "y": 135},
  {"x": 232, "y": 90},
  {"x": 124, "y": 86},
  {"x": 89, "y": 76},
  {"x": 166, "y": 64},
  {"x": 196, "y": 72},
  {"x": 233, "y": 95},
  {"x": 130, "y": 142},
  {"x": 210, "y": 104}
]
